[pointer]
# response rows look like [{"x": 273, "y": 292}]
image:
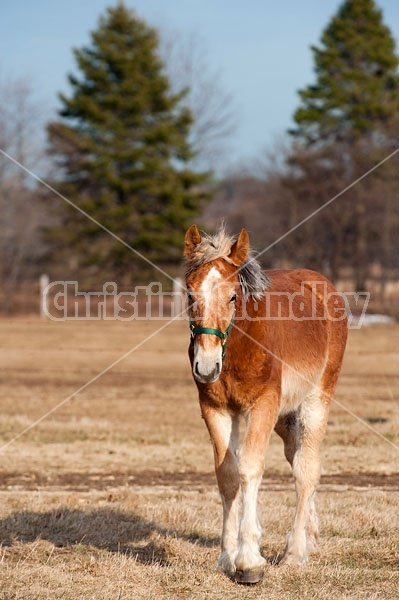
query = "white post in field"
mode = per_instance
[{"x": 44, "y": 281}]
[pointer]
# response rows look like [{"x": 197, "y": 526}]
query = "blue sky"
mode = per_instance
[{"x": 260, "y": 47}]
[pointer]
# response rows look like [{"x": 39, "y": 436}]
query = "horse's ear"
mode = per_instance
[
  {"x": 240, "y": 248},
  {"x": 192, "y": 239}
]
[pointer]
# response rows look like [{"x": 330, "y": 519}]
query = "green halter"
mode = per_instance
[{"x": 212, "y": 331}]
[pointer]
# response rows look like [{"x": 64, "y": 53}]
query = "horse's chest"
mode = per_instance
[
  {"x": 241, "y": 391},
  {"x": 241, "y": 395},
  {"x": 236, "y": 394}
]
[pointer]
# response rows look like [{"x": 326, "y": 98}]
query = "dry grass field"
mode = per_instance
[{"x": 113, "y": 496}]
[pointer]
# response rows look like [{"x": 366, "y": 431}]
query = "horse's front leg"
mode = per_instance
[
  {"x": 223, "y": 429},
  {"x": 260, "y": 422}
]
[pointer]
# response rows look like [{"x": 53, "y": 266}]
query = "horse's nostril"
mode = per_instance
[
  {"x": 196, "y": 369},
  {"x": 217, "y": 368}
]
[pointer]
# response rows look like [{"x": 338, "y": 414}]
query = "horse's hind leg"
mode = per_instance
[
  {"x": 287, "y": 428},
  {"x": 304, "y": 437}
]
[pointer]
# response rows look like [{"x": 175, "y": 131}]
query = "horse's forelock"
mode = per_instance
[{"x": 254, "y": 282}]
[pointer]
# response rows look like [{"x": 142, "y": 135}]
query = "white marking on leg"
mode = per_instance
[
  {"x": 251, "y": 470},
  {"x": 312, "y": 527},
  {"x": 306, "y": 469},
  {"x": 228, "y": 481},
  {"x": 249, "y": 556}
]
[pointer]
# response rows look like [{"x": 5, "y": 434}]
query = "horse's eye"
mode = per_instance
[
  {"x": 233, "y": 298},
  {"x": 190, "y": 296}
]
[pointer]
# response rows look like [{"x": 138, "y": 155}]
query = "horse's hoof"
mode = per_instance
[{"x": 248, "y": 576}]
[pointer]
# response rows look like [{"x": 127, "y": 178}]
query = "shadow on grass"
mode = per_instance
[{"x": 105, "y": 528}]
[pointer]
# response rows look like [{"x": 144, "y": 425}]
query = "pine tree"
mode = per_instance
[
  {"x": 346, "y": 123},
  {"x": 357, "y": 80},
  {"x": 122, "y": 152}
]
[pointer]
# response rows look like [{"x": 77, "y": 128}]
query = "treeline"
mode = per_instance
[
  {"x": 352, "y": 240},
  {"x": 128, "y": 153},
  {"x": 133, "y": 145},
  {"x": 337, "y": 176}
]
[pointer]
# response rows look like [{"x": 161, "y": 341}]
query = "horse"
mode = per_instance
[{"x": 266, "y": 349}]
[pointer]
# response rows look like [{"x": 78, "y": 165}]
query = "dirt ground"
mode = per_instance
[{"x": 112, "y": 495}]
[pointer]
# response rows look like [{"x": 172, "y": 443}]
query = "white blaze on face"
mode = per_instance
[
  {"x": 207, "y": 287},
  {"x": 208, "y": 356}
]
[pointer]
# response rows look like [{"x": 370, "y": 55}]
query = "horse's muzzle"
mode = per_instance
[{"x": 208, "y": 377}]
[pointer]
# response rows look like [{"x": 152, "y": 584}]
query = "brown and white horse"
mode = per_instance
[{"x": 268, "y": 347}]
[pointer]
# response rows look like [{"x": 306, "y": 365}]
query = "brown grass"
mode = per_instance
[{"x": 113, "y": 495}]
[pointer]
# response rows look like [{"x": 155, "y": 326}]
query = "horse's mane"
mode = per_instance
[{"x": 254, "y": 282}]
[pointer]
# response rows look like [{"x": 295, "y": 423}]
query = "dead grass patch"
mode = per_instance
[{"x": 114, "y": 495}]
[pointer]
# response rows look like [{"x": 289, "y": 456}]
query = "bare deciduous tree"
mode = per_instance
[
  {"x": 21, "y": 217},
  {"x": 188, "y": 66},
  {"x": 21, "y": 212},
  {"x": 21, "y": 127}
]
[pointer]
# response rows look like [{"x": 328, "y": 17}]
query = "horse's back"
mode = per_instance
[{"x": 292, "y": 279}]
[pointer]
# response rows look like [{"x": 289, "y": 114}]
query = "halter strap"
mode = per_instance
[{"x": 212, "y": 331}]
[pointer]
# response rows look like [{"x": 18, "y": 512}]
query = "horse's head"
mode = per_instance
[{"x": 213, "y": 288}]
